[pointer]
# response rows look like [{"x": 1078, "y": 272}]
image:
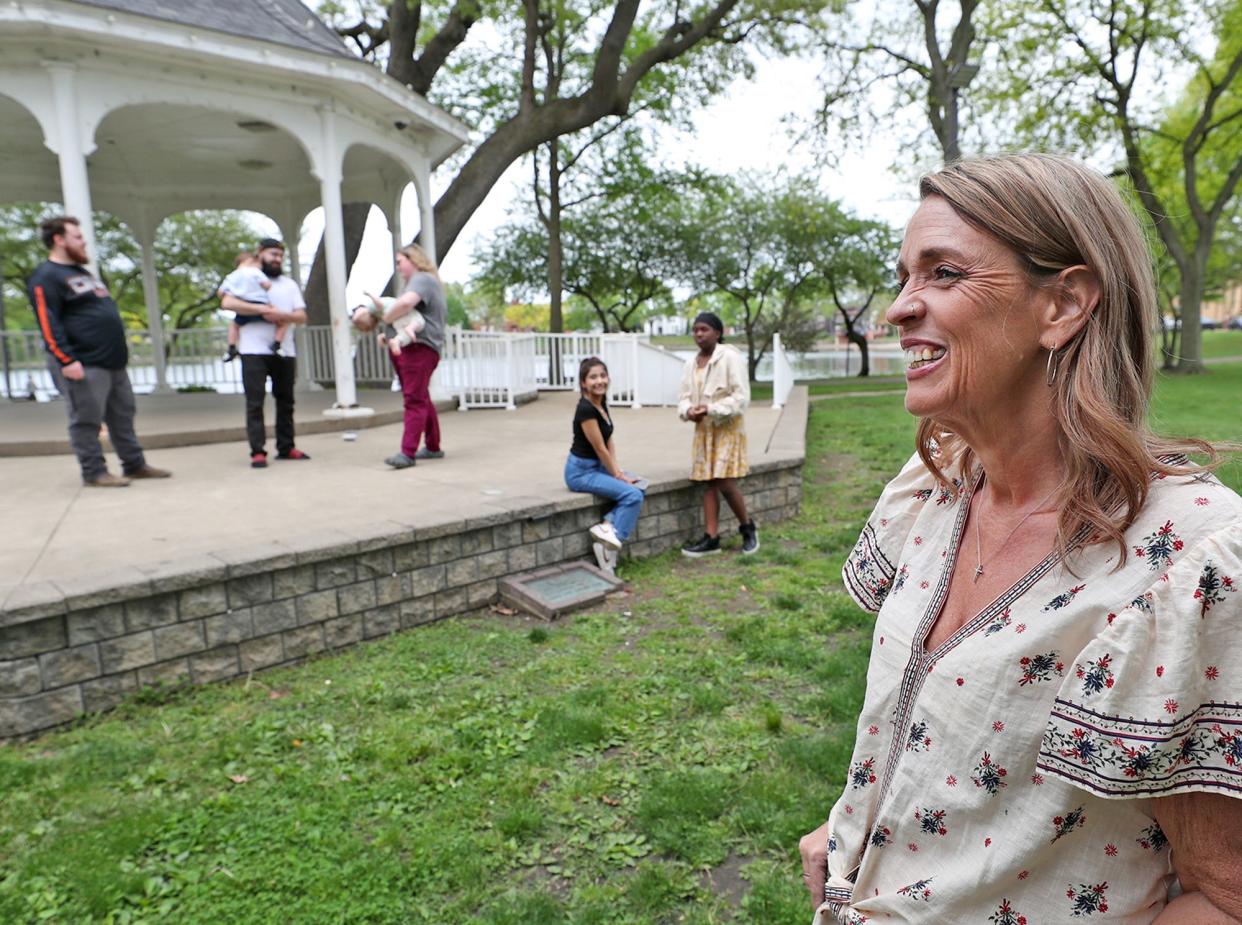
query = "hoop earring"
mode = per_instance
[{"x": 1054, "y": 362}]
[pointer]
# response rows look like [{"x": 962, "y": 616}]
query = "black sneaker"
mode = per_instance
[
  {"x": 750, "y": 538},
  {"x": 231, "y": 355},
  {"x": 707, "y": 546}
]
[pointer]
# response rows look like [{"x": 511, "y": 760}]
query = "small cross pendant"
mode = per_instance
[{"x": 978, "y": 572}]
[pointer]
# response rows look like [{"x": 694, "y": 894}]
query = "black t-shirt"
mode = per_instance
[
  {"x": 588, "y": 412},
  {"x": 77, "y": 317}
]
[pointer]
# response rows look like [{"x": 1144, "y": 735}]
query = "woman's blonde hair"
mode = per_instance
[
  {"x": 422, "y": 263},
  {"x": 1054, "y": 213}
]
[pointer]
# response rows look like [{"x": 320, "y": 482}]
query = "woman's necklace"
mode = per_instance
[
  {"x": 979, "y": 563},
  {"x": 599, "y": 406}
]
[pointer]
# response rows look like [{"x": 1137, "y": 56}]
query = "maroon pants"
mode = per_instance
[{"x": 414, "y": 365}]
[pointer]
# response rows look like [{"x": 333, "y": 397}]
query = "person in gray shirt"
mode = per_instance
[{"x": 416, "y": 362}]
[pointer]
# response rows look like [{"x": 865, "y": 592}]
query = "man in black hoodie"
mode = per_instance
[{"x": 87, "y": 353}]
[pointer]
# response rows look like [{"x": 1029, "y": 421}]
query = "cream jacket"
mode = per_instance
[{"x": 726, "y": 385}]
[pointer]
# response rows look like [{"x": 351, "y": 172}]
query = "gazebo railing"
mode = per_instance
[
  {"x": 317, "y": 362},
  {"x": 23, "y": 370},
  {"x": 480, "y": 369}
]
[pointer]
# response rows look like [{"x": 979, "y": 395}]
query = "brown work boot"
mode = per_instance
[
  {"x": 107, "y": 480},
  {"x": 149, "y": 472}
]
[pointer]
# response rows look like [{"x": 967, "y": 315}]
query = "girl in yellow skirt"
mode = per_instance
[{"x": 715, "y": 391}]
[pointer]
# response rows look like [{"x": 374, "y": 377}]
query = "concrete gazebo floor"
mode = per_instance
[{"x": 56, "y": 530}]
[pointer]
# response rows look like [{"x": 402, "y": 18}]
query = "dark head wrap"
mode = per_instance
[{"x": 712, "y": 320}]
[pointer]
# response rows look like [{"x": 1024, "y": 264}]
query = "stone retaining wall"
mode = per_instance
[{"x": 85, "y": 653}]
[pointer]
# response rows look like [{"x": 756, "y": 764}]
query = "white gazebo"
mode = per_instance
[{"x": 148, "y": 108}]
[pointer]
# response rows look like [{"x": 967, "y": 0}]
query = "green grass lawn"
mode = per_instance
[
  {"x": 674, "y": 341},
  {"x": 1222, "y": 344},
  {"x": 1208, "y": 406},
  {"x": 652, "y": 761}
]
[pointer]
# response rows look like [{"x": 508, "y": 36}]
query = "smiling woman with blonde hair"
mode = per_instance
[{"x": 1052, "y": 727}]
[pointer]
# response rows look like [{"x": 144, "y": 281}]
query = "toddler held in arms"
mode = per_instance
[
  {"x": 367, "y": 317},
  {"x": 248, "y": 283}
]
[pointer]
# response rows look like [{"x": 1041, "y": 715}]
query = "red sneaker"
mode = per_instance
[
  {"x": 258, "y": 460},
  {"x": 294, "y": 453}
]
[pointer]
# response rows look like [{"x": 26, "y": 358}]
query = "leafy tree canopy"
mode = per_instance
[{"x": 193, "y": 253}]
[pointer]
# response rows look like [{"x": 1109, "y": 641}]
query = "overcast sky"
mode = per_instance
[{"x": 743, "y": 130}]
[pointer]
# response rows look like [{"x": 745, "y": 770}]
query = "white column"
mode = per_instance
[
  {"x": 155, "y": 314},
  {"x": 74, "y": 183},
  {"x": 398, "y": 237},
  {"x": 334, "y": 255},
  {"x": 426, "y": 215}
]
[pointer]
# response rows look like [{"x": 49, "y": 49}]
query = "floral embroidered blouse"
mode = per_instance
[{"x": 1007, "y": 777}]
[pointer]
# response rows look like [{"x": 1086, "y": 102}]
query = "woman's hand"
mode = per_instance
[
  {"x": 814, "y": 850},
  {"x": 697, "y": 413},
  {"x": 629, "y": 479}
]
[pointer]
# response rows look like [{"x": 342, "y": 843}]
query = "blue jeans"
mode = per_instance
[{"x": 590, "y": 476}]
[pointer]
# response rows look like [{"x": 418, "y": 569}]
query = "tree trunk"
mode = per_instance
[
  {"x": 1168, "y": 345},
  {"x": 556, "y": 251},
  {"x": 1190, "y": 297},
  {"x": 949, "y": 145},
  {"x": 752, "y": 359},
  {"x": 354, "y": 215},
  {"x": 860, "y": 341}
]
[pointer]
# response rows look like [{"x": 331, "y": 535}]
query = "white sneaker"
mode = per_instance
[
  {"x": 606, "y": 534},
  {"x": 605, "y": 558}
]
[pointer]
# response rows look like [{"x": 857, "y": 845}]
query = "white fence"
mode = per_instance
[
  {"x": 639, "y": 373},
  {"x": 488, "y": 370},
  {"x": 782, "y": 374},
  {"x": 561, "y": 355},
  {"x": 479, "y": 369}
]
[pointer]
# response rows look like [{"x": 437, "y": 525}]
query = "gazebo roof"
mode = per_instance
[
  {"x": 182, "y": 104},
  {"x": 286, "y": 22}
]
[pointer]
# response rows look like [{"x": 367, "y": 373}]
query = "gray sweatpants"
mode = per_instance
[{"x": 103, "y": 397}]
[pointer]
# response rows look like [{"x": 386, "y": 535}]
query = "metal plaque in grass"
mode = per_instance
[{"x": 550, "y": 592}]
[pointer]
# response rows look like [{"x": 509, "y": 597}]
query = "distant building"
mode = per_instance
[
  {"x": 667, "y": 326},
  {"x": 1228, "y": 306}
]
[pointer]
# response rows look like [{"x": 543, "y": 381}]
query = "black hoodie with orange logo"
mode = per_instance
[{"x": 78, "y": 318}]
